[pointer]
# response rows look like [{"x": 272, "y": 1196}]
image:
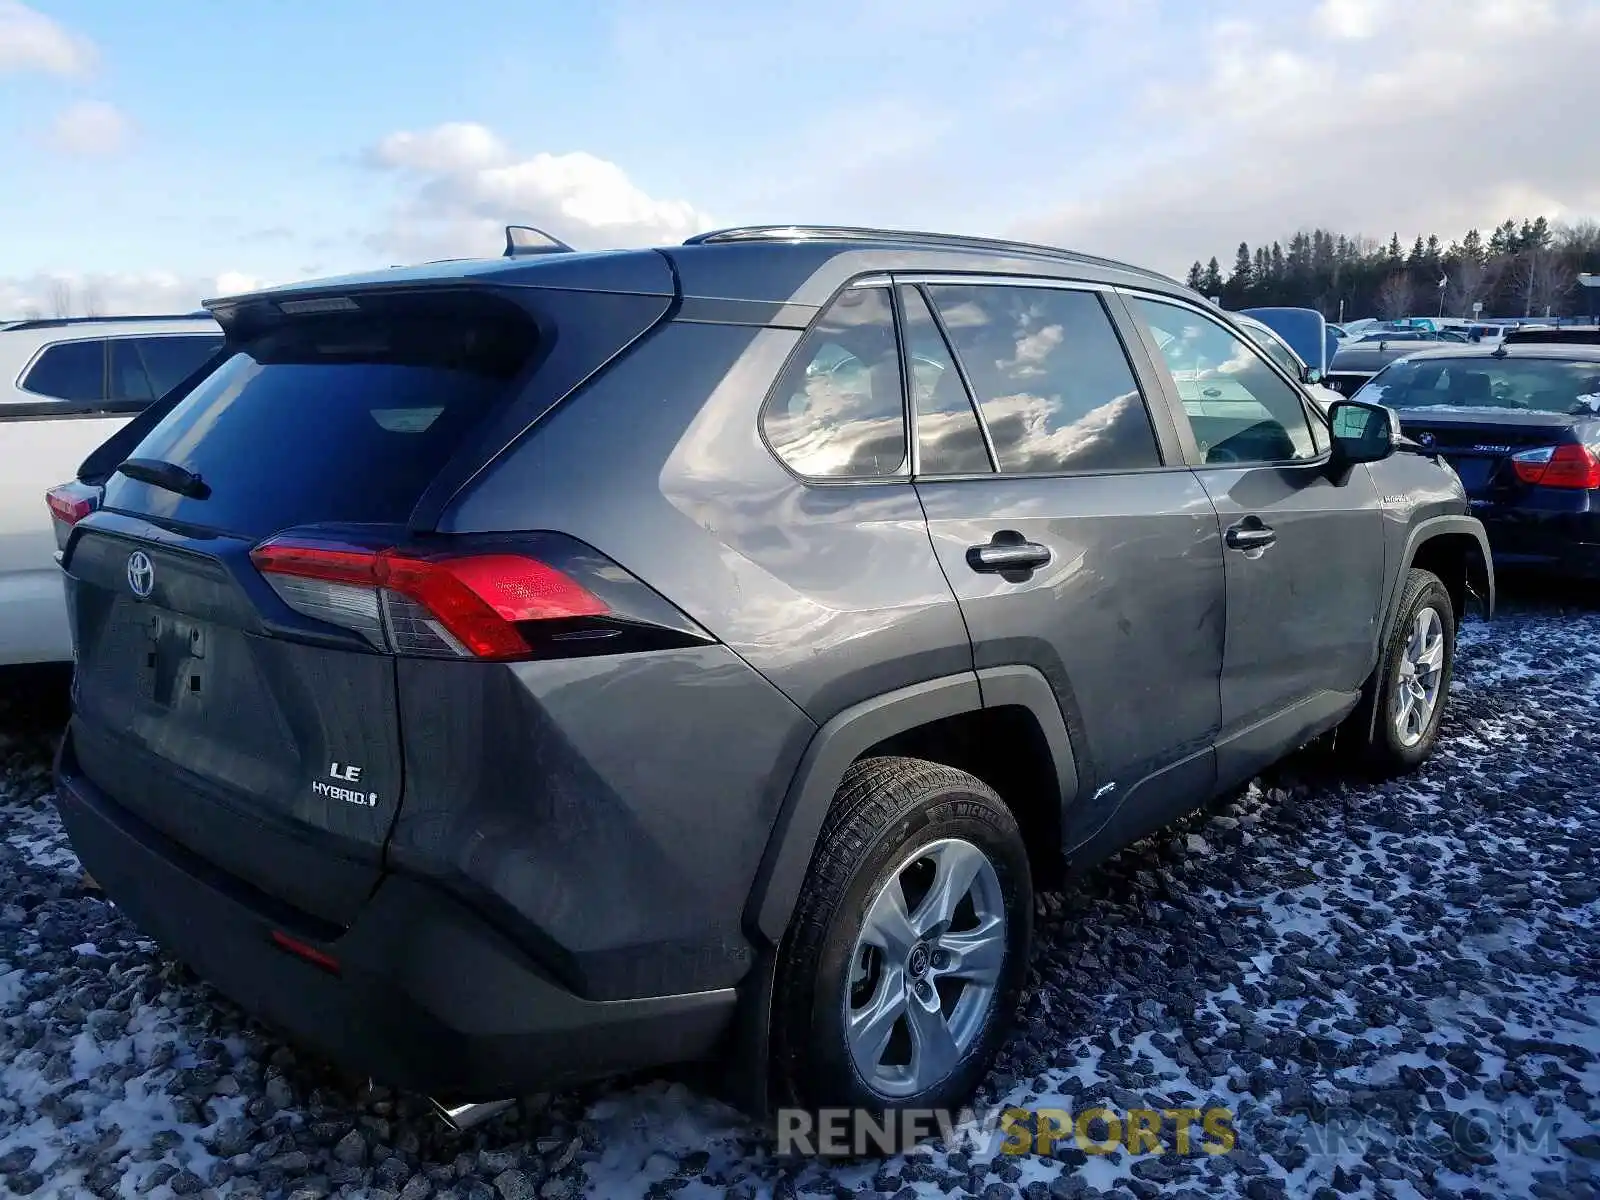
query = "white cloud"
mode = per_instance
[
  {"x": 49, "y": 294},
  {"x": 1352, "y": 19},
  {"x": 90, "y": 127},
  {"x": 31, "y": 41},
  {"x": 451, "y": 147},
  {"x": 1462, "y": 113},
  {"x": 467, "y": 186}
]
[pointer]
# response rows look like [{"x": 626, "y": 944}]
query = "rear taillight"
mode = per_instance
[
  {"x": 1565, "y": 466},
  {"x": 70, "y": 502},
  {"x": 460, "y": 606}
]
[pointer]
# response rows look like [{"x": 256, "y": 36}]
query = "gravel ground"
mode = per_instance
[{"x": 1396, "y": 990}]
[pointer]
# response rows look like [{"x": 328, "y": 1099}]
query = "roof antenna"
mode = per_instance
[{"x": 525, "y": 239}]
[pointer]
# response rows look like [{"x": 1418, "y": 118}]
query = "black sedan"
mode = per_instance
[{"x": 1521, "y": 426}]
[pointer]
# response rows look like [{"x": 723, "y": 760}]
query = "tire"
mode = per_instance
[
  {"x": 1377, "y": 747},
  {"x": 888, "y": 814}
]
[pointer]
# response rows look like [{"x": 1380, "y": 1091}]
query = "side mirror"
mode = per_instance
[
  {"x": 1310, "y": 375},
  {"x": 1362, "y": 433}
]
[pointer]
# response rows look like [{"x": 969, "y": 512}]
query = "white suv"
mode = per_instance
[{"x": 66, "y": 385}]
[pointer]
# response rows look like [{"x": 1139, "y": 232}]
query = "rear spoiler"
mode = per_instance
[{"x": 1570, "y": 337}]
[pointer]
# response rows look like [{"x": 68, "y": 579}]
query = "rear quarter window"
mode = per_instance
[
  {"x": 838, "y": 409},
  {"x": 74, "y": 371}
]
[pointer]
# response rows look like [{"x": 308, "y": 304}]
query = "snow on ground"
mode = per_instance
[{"x": 1394, "y": 990}]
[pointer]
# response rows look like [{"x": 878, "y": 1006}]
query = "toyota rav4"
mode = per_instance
[{"x": 507, "y": 672}]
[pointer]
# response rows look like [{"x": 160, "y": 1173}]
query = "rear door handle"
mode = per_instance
[
  {"x": 1007, "y": 551},
  {"x": 1250, "y": 534}
]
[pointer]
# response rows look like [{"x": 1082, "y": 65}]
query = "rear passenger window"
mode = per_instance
[
  {"x": 1051, "y": 377},
  {"x": 168, "y": 361},
  {"x": 838, "y": 411},
  {"x": 128, "y": 380},
  {"x": 949, "y": 441},
  {"x": 70, "y": 371}
]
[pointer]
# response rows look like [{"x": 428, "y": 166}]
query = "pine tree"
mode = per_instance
[
  {"x": 1196, "y": 278},
  {"x": 1212, "y": 282},
  {"x": 1418, "y": 254},
  {"x": 1236, "y": 292},
  {"x": 1241, "y": 265},
  {"x": 1395, "y": 253}
]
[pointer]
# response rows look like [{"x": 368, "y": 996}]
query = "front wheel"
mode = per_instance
[
  {"x": 909, "y": 946},
  {"x": 1411, "y": 686}
]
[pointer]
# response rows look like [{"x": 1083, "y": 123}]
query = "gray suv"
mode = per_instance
[{"x": 502, "y": 673}]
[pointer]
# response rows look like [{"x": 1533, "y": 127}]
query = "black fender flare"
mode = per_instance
[
  {"x": 835, "y": 745},
  {"x": 843, "y": 739},
  {"x": 1424, "y": 531}
]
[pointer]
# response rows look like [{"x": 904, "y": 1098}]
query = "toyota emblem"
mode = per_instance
[{"x": 141, "y": 574}]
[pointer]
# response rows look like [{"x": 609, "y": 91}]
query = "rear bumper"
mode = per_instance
[
  {"x": 1566, "y": 543},
  {"x": 427, "y": 996}
]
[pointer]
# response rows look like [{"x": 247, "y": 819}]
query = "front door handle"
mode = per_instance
[
  {"x": 1250, "y": 535},
  {"x": 1007, "y": 551}
]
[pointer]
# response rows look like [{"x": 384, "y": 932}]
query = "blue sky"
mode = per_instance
[{"x": 172, "y": 150}]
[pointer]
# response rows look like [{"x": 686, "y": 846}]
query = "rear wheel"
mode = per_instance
[
  {"x": 907, "y": 952},
  {"x": 1410, "y": 688}
]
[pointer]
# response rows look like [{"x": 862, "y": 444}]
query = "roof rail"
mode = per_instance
[
  {"x": 525, "y": 239},
  {"x": 62, "y": 322},
  {"x": 955, "y": 241}
]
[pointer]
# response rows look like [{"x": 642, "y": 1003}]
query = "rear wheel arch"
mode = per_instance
[
  {"x": 1002, "y": 724},
  {"x": 1016, "y": 699},
  {"x": 1456, "y": 549}
]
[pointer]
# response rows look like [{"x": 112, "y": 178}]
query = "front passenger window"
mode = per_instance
[{"x": 1241, "y": 410}]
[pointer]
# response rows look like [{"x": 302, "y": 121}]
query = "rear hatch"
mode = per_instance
[{"x": 233, "y": 698}]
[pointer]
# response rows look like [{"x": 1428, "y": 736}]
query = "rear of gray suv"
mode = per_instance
[{"x": 501, "y": 674}]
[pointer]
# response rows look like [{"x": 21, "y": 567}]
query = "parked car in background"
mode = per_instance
[
  {"x": 1393, "y": 335},
  {"x": 486, "y": 749},
  {"x": 65, "y": 386},
  {"x": 1275, "y": 347},
  {"x": 1358, "y": 361},
  {"x": 1566, "y": 335},
  {"x": 1520, "y": 424}
]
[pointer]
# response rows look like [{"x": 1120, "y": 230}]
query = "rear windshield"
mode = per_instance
[
  {"x": 335, "y": 417},
  {"x": 1546, "y": 385}
]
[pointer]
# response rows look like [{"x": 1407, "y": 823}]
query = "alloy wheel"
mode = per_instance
[
  {"x": 1416, "y": 691},
  {"x": 925, "y": 967}
]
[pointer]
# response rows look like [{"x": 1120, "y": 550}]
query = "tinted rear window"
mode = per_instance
[{"x": 335, "y": 417}]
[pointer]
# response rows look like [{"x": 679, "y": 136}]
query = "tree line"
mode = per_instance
[{"x": 1523, "y": 269}]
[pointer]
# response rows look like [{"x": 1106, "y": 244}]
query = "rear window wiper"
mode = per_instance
[{"x": 166, "y": 475}]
